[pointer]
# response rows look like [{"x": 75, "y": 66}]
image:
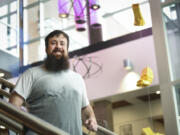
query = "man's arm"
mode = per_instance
[
  {"x": 16, "y": 100},
  {"x": 89, "y": 118}
]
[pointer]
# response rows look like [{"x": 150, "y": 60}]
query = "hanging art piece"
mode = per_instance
[
  {"x": 77, "y": 9},
  {"x": 138, "y": 19},
  {"x": 87, "y": 66},
  {"x": 146, "y": 77},
  {"x": 148, "y": 131}
]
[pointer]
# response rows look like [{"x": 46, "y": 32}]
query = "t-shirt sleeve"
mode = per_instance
[
  {"x": 23, "y": 85},
  {"x": 85, "y": 101}
]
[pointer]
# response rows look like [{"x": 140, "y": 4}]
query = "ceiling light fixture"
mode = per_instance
[
  {"x": 79, "y": 7},
  {"x": 94, "y": 19},
  {"x": 79, "y": 11},
  {"x": 2, "y": 74},
  {"x": 63, "y": 15},
  {"x": 94, "y": 4},
  {"x": 158, "y": 92},
  {"x": 2, "y": 127},
  {"x": 80, "y": 27},
  {"x": 63, "y": 8}
]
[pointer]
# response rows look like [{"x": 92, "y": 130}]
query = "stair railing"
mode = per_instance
[
  {"x": 36, "y": 124},
  {"x": 16, "y": 118},
  {"x": 6, "y": 84}
]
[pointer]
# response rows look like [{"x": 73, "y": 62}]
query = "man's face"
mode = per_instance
[{"x": 57, "y": 46}]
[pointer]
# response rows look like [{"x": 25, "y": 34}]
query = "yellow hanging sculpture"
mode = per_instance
[
  {"x": 146, "y": 77},
  {"x": 138, "y": 19},
  {"x": 148, "y": 131}
]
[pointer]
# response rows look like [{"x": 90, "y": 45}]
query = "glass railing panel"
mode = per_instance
[
  {"x": 8, "y": 26},
  {"x": 171, "y": 18}
]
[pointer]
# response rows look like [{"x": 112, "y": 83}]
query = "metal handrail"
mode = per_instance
[
  {"x": 7, "y": 83},
  {"x": 29, "y": 116},
  {"x": 38, "y": 125},
  {"x": 4, "y": 93},
  {"x": 105, "y": 130},
  {"x": 11, "y": 124}
]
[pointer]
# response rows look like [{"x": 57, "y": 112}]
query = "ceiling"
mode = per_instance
[{"x": 116, "y": 18}]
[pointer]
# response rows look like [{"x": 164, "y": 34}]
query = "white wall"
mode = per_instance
[{"x": 109, "y": 80}]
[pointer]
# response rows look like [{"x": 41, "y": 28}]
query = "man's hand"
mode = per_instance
[
  {"x": 89, "y": 118},
  {"x": 91, "y": 124},
  {"x": 16, "y": 100}
]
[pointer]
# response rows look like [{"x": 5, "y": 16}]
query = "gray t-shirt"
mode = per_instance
[{"x": 56, "y": 97}]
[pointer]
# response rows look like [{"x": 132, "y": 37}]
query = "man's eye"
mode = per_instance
[
  {"x": 53, "y": 43},
  {"x": 62, "y": 43}
]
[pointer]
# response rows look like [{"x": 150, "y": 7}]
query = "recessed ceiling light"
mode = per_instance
[
  {"x": 2, "y": 74},
  {"x": 158, "y": 92},
  {"x": 63, "y": 15},
  {"x": 2, "y": 127},
  {"x": 95, "y": 7}
]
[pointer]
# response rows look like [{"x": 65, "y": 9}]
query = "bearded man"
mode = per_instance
[{"x": 53, "y": 92}]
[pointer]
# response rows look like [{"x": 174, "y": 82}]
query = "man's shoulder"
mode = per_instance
[
  {"x": 73, "y": 73},
  {"x": 33, "y": 70}
]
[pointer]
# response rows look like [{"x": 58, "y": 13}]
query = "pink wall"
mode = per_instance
[{"x": 109, "y": 80}]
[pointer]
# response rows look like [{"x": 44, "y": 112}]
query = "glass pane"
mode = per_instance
[
  {"x": 8, "y": 26},
  {"x": 144, "y": 113},
  {"x": 171, "y": 17},
  {"x": 3, "y": 10},
  {"x": 31, "y": 33},
  {"x": 13, "y": 6},
  {"x": 12, "y": 46},
  {"x": 140, "y": 114},
  {"x": 177, "y": 88},
  {"x": 30, "y": 2},
  {"x": 132, "y": 109},
  {"x": 3, "y": 34}
]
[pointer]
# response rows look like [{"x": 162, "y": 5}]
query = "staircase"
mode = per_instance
[{"x": 16, "y": 120}]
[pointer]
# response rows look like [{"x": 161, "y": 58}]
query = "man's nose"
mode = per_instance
[{"x": 59, "y": 46}]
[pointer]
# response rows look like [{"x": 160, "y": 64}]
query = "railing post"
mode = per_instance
[{"x": 3, "y": 86}]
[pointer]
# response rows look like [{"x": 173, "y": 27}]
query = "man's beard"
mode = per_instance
[{"x": 55, "y": 65}]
